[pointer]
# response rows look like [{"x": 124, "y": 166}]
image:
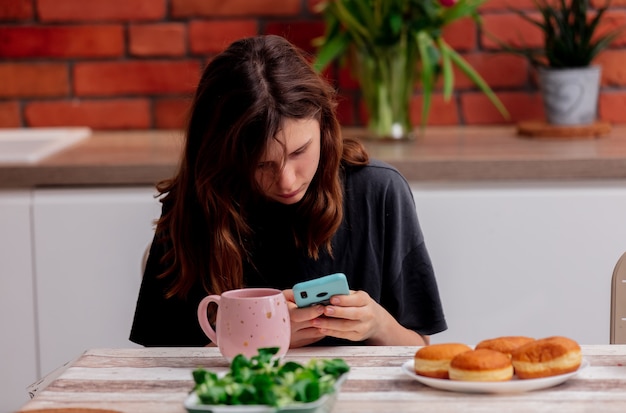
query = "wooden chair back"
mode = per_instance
[{"x": 618, "y": 302}]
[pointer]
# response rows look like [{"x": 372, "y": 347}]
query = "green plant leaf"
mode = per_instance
[
  {"x": 569, "y": 34},
  {"x": 350, "y": 21},
  {"x": 424, "y": 43},
  {"x": 262, "y": 380},
  {"x": 329, "y": 51},
  {"x": 447, "y": 72},
  {"x": 377, "y": 29},
  {"x": 461, "y": 9}
]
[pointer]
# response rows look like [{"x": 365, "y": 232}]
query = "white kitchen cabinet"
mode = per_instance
[
  {"x": 18, "y": 352},
  {"x": 524, "y": 258},
  {"x": 88, "y": 247}
]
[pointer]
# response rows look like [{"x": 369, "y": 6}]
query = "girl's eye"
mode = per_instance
[{"x": 299, "y": 151}]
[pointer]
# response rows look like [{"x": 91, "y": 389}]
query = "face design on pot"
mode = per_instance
[
  {"x": 570, "y": 96},
  {"x": 563, "y": 97}
]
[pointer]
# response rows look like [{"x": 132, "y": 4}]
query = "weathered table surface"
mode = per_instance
[{"x": 158, "y": 380}]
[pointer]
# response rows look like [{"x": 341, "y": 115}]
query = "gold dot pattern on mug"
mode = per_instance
[{"x": 268, "y": 314}]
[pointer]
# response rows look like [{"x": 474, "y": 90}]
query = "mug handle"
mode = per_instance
[{"x": 204, "y": 320}]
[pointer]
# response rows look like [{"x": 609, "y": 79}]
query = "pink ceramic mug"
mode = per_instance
[{"x": 247, "y": 319}]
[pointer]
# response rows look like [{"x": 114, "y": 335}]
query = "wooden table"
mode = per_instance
[{"x": 159, "y": 379}]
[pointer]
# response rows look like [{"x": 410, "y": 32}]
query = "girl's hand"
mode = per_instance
[
  {"x": 303, "y": 332},
  {"x": 357, "y": 317}
]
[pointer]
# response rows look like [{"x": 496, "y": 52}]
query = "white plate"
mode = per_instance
[{"x": 514, "y": 385}]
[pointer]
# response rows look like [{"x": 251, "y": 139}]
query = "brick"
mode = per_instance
[
  {"x": 610, "y": 21},
  {"x": 612, "y": 107},
  {"x": 33, "y": 80},
  {"x": 61, "y": 41},
  {"x": 461, "y": 35},
  {"x": 499, "y": 70},
  {"x": 212, "y": 8},
  {"x": 160, "y": 39},
  {"x": 613, "y": 64},
  {"x": 299, "y": 32},
  {"x": 16, "y": 10},
  {"x": 171, "y": 113},
  {"x": 441, "y": 112},
  {"x": 96, "y": 114},
  {"x": 498, "y": 5},
  {"x": 511, "y": 29},
  {"x": 478, "y": 110},
  {"x": 9, "y": 115},
  {"x": 135, "y": 77},
  {"x": 215, "y": 36},
  {"x": 614, "y": 3},
  {"x": 100, "y": 10}
]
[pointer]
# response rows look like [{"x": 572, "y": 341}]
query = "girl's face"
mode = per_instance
[{"x": 286, "y": 181}]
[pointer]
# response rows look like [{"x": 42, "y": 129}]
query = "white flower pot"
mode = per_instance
[{"x": 570, "y": 96}]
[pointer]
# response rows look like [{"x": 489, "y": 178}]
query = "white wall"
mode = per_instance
[{"x": 524, "y": 258}]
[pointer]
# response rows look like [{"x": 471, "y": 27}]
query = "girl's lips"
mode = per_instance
[{"x": 290, "y": 195}]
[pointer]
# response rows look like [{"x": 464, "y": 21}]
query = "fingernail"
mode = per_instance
[
  {"x": 329, "y": 311},
  {"x": 334, "y": 301}
]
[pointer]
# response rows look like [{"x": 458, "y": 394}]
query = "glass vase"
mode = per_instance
[{"x": 386, "y": 75}]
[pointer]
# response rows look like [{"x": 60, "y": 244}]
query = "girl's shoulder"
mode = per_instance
[{"x": 375, "y": 172}]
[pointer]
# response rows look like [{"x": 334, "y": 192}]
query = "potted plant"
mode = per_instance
[
  {"x": 568, "y": 80},
  {"x": 391, "y": 44}
]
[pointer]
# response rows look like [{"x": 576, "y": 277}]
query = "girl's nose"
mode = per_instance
[{"x": 286, "y": 177}]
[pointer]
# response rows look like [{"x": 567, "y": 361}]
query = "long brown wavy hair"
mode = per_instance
[{"x": 243, "y": 96}]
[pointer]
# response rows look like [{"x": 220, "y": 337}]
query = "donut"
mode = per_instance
[
  {"x": 504, "y": 344},
  {"x": 481, "y": 365},
  {"x": 434, "y": 360},
  {"x": 549, "y": 356}
]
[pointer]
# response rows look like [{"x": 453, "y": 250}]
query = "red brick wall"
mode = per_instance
[{"x": 132, "y": 64}]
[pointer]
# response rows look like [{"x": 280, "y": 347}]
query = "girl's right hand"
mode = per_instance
[{"x": 302, "y": 331}]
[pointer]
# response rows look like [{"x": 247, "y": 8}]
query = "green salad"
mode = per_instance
[{"x": 262, "y": 379}]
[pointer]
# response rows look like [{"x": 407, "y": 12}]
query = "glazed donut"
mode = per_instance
[
  {"x": 434, "y": 360},
  {"x": 549, "y": 356},
  {"x": 481, "y": 365},
  {"x": 504, "y": 344}
]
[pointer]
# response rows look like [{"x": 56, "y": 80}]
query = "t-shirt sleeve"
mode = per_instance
[
  {"x": 162, "y": 321},
  {"x": 409, "y": 290}
]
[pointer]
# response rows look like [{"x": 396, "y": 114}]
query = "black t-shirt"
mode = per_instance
[{"x": 379, "y": 246}]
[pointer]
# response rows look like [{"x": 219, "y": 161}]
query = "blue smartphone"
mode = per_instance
[{"x": 319, "y": 290}]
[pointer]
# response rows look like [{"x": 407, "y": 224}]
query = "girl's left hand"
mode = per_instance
[
  {"x": 357, "y": 317},
  {"x": 302, "y": 331}
]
